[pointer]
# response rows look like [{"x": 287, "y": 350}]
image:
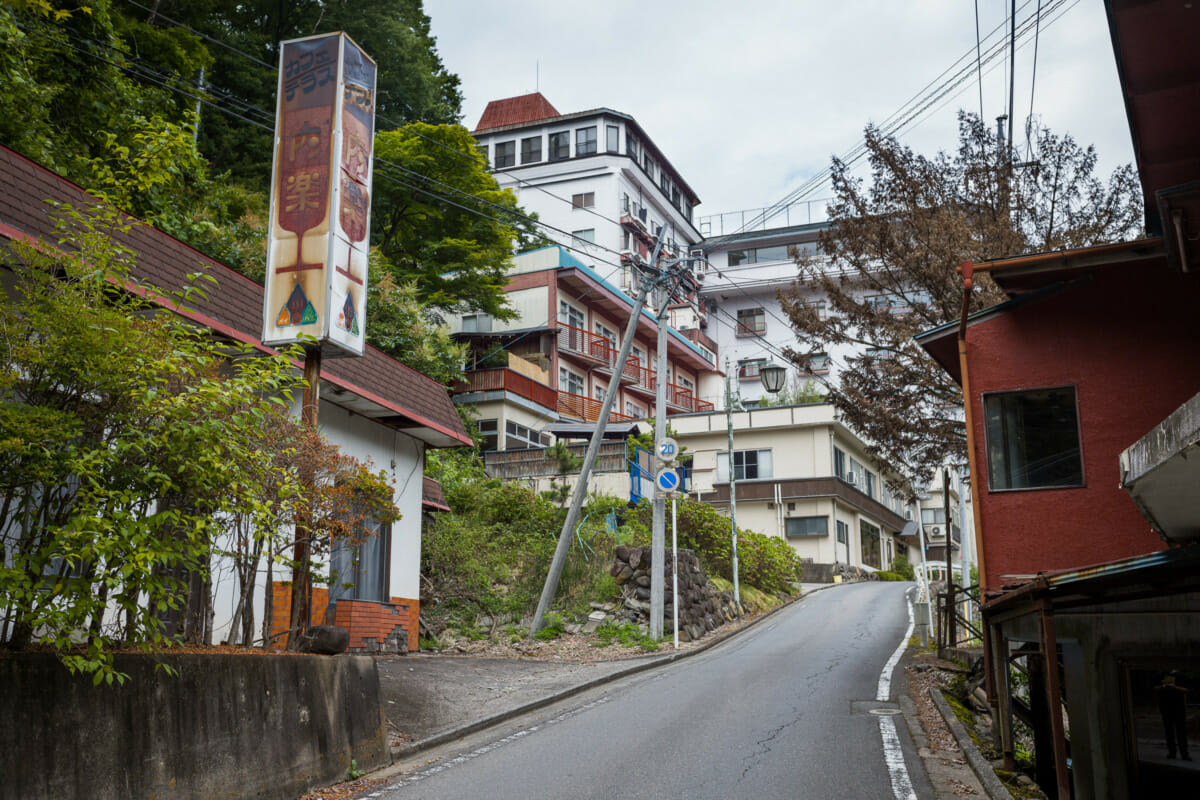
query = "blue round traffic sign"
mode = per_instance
[{"x": 667, "y": 480}]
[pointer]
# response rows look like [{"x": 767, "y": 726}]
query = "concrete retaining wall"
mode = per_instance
[{"x": 226, "y": 726}]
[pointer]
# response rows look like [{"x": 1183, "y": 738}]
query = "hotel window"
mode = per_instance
[
  {"x": 569, "y": 382},
  {"x": 1033, "y": 439},
  {"x": 633, "y": 148},
  {"x": 869, "y": 535},
  {"x": 634, "y": 410},
  {"x": 585, "y": 141},
  {"x": 519, "y": 437},
  {"x": 477, "y": 323},
  {"x": 818, "y": 363},
  {"x": 613, "y": 139},
  {"x": 751, "y": 321},
  {"x": 748, "y": 369},
  {"x": 583, "y": 200},
  {"x": 506, "y": 154},
  {"x": 570, "y": 314},
  {"x": 560, "y": 146},
  {"x": 839, "y": 463},
  {"x": 608, "y": 334},
  {"x": 748, "y": 465},
  {"x": 806, "y": 526},
  {"x": 487, "y": 431},
  {"x": 531, "y": 150},
  {"x": 843, "y": 532},
  {"x": 585, "y": 235},
  {"x": 639, "y": 355}
]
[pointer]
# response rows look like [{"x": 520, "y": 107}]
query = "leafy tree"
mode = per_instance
[
  {"x": 400, "y": 327},
  {"x": 892, "y": 249},
  {"x": 412, "y": 82},
  {"x": 794, "y": 396},
  {"x": 129, "y": 438},
  {"x": 457, "y": 253}
]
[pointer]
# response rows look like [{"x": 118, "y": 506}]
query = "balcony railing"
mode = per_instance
[
  {"x": 592, "y": 346},
  {"x": 502, "y": 379},
  {"x": 536, "y": 463},
  {"x": 585, "y": 408}
]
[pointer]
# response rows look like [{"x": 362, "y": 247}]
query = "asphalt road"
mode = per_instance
[{"x": 780, "y": 711}]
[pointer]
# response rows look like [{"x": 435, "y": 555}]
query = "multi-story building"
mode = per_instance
[
  {"x": 555, "y": 360},
  {"x": 801, "y": 475},
  {"x": 595, "y": 177},
  {"x": 744, "y": 272}
]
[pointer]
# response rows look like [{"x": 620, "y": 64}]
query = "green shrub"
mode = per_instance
[
  {"x": 903, "y": 567},
  {"x": 554, "y": 627},
  {"x": 891, "y": 576}
]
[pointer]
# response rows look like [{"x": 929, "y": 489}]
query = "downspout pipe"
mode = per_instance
[{"x": 967, "y": 270}]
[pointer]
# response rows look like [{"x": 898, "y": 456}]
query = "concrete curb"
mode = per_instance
[
  {"x": 979, "y": 765},
  {"x": 406, "y": 750}
]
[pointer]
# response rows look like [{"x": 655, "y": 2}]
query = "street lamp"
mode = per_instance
[{"x": 773, "y": 377}]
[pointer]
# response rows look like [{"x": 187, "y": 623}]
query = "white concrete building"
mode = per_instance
[
  {"x": 595, "y": 176},
  {"x": 801, "y": 475}
]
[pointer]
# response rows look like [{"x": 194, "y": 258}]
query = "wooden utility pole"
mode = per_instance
[
  {"x": 301, "y": 606},
  {"x": 951, "y": 626}
]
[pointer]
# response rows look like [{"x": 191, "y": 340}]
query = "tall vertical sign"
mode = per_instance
[{"x": 320, "y": 194}]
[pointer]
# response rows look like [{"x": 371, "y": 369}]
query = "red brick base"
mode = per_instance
[{"x": 370, "y": 623}]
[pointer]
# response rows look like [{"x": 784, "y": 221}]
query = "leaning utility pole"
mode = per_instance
[
  {"x": 658, "y": 521},
  {"x": 567, "y": 536}
]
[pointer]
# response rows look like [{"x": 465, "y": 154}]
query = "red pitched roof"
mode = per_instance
[
  {"x": 234, "y": 307},
  {"x": 516, "y": 111},
  {"x": 432, "y": 498}
]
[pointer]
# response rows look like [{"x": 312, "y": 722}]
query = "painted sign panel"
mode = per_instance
[{"x": 320, "y": 194}]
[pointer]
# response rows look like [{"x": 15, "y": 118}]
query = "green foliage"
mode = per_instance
[
  {"x": 400, "y": 327},
  {"x": 888, "y": 575},
  {"x": 798, "y": 395},
  {"x": 904, "y": 568},
  {"x": 456, "y": 255},
  {"x": 126, "y": 438},
  {"x": 765, "y": 562},
  {"x": 130, "y": 439},
  {"x": 627, "y": 634},
  {"x": 555, "y": 626}
]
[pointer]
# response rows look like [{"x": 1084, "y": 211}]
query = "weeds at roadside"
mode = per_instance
[{"x": 627, "y": 635}]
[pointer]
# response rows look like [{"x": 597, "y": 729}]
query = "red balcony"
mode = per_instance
[
  {"x": 641, "y": 378},
  {"x": 685, "y": 399},
  {"x": 591, "y": 346},
  {"x": 585, "y": 408},
  {"x": 506, "y": 380}
]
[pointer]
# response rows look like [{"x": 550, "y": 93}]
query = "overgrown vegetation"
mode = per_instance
[
  {"x": 489, "y": 558},
  {"x": 134, "y": 449}
]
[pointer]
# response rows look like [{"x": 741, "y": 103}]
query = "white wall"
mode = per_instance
[{"x": 402, "y": 458}]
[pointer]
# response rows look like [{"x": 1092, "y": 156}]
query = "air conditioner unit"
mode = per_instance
[
  {"x": 851, "y": 479},
  {"x": 696, "y": 252}
]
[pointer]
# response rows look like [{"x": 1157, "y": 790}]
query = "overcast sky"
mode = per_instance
[{"x": 748, "y": 100}]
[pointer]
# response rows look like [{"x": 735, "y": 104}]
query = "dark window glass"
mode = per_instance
[
  {"x": 869, "y": 534},
  {"x": 807, "y": 526},
  {"x": 560, "y": 146},
  {"x": 585, "y": 141},
  {"x": 1033, "y": 439},
  {"x": 843, "y": 532},
  {"x": 613, "y": 134},
  {"x": 531, "y": 150},
  {"x": 506, "y": 154}
]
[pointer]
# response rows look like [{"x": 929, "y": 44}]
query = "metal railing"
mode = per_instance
[
  {"x": 535, "y": 463},
  {"x": 585, "y": 408},
  {"x": 959, "y": 618}
]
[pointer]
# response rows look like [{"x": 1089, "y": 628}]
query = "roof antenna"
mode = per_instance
[{"x": 537, "y": 75}]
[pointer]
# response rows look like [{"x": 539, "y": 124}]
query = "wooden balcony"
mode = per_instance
[
  {"x": 502, "y": 379},
  {"x": 585, "y": 408},
  {"x": 590, "y": 346},
  {"x": 684, "y": 399},
  {"x": 534, "y": 463}
]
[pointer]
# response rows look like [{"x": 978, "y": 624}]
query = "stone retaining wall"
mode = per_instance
[
  {"x": 702, "y": 607},
  {"x": 225, "y": 726}
]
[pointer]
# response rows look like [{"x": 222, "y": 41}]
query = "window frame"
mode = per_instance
[
  {"x": 558, "y": 141},
  {"x": 567, "y": 381},
  {"x": 751, "y": 321},
  {"x": 876, "y": 533},
  {"x": 612, "y": 138},
  {"x": 504, "y": 154},
  {"x": 806, "y": 533},
  {"x": 760, "y": 465},
  {"x": 583, "y": 200},
  {"x": 528, "y": 154},
  {"x": 987, "y": 439},
  {"x": 586, "y": 145}
]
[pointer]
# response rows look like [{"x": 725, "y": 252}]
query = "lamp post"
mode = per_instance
[{"x": 773, "y": 377}]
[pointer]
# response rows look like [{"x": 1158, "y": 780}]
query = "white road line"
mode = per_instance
[{"x": 893, "y": 755}]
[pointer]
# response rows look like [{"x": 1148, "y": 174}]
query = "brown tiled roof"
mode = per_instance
[
  {"x": 516, "y": 111},
  {"x": 432, "y": 498},
  {"x": 234, "y": 305}
]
